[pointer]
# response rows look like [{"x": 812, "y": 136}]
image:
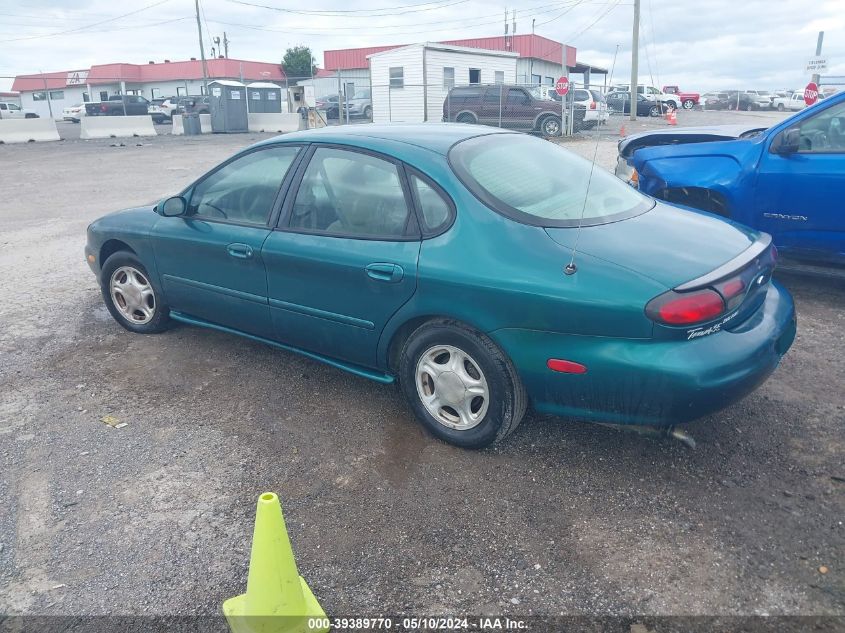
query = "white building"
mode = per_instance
[{"x": 409, "y": 84}]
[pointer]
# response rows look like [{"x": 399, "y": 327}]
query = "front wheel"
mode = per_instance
[
  {"x": 689, "y": 104},
  {"x": 550, "y": 126},
  {"x": 781, "y": 107},
  {"x": 368, "y": 112},
  {"x": 654, "y": 111},
  {"x": 130, "y": 296},
  {"x": 460, "y": 385}
]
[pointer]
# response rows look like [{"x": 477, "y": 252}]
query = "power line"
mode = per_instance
[
  {"x": 356, "y": 13},
  {"x": 87, "y": 26}
]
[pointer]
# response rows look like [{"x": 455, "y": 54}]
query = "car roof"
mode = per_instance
[{"x": 437, "y": 137}]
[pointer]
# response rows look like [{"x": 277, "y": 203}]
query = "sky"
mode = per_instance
[{"x": 698, "y": 45}]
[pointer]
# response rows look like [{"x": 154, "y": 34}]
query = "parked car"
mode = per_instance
[
  {"x": 738, "y": 100},
  {"x": 199, "y": 104},
  {"x": 382, "y": 255},
  {"x": 161, "y": 109},
  {"x": 118, "y": 105},
  {"x": 786, "y": 180},
  {"x": 74, "y": 113},
  {"x": 715, "y": 100},
  {"x": 508, "y": 106},
  {"x": 621, "y": 102},
  {"x": 761, "y": 98},
  {"x": 653, "y": 94},
  {"x": 9, "y": 110},
  {"x": 794, "y": 101},
  {"x": 688, "y": 99},
  {"x": 594, "y": 104},
  {"x": 360, "y": 105},
  {"x": 330, "y": 105}
]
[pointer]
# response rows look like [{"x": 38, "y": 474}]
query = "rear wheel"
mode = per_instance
[
  {"x": 550, "y": 126},
  {"x": 368, "y": 112},
  {"x": 689, "y": 104},
  {"x": 781, "y": 107},
  {"x": 130, "y": 296},
  {"x": 654, "y": 111},
  {"x": 460, "y": 385},
  {"x": 466, "y": 117}
]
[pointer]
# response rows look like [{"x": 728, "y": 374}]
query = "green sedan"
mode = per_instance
[{"x": 483, "y": 271}]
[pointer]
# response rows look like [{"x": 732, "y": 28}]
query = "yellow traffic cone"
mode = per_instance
[{"x": 277, "y": 600}]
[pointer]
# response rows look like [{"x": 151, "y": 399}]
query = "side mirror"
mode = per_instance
[
  {"x": 173, "y": 207},
  {"x": 790, "y": 141}
]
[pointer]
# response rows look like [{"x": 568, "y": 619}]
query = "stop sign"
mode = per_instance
[
  {"x": 562, "y": 86},
  {"x": 811, "y": 93}
]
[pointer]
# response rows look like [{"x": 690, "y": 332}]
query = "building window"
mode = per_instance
[
  {"x": 536, "y": 79},
  {"x": 104, "y": 95},
  {"x": 181, "y": 91},
  {"x": 86, "y": 97},
  {"x": 202, "y": 90},
  {"x": 475, "y": 75},
  {"x": 550, "y": 81},
  {"x": 57, "y": 95},
  {"x": 154, "y": 92},
  {"x": 448, "y": 78},
  {"x": 39, "y": 96},
  {"x": 397, "y": 77},
  {"x": 499, "y": 76}
]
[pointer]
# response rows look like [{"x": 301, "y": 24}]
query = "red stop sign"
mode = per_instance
[
  {"x": 811, "y": 93},
  {"x": 562, "y": 86}
]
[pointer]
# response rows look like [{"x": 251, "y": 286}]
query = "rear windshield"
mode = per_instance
[
  {"x": 538, "y": 182},
  {"x": 597, "y": 96}
]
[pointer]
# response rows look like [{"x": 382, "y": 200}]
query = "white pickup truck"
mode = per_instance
[
  {"x": 793, "y": 102},
  {"x": 653, "y": 94},
  {"x": 9, "y": 110}
]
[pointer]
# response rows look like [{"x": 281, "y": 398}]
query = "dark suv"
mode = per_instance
[{"x": 502, "y": 105}]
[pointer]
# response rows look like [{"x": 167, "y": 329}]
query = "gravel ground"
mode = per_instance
[{"x": 562, "y": 518}]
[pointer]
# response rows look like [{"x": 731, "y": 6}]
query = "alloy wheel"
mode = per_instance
[
  {"x": 452, "y": 387},
  {"x": 132, "y": 295}
]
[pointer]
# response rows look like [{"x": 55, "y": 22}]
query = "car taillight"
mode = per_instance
[
  {"x": 103, "y": 108},
  {"x": 685, "y": 308},
  {"x": 592, "y": 105}
]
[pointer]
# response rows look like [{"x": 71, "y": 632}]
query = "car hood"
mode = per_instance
[
  {"x": 680, "y": 136},
  {"x": 668, "y": 244}
]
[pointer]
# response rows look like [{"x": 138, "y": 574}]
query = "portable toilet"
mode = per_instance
[
  {"x": 264, "y": 97},
  {"x": 228, "y": 105}
]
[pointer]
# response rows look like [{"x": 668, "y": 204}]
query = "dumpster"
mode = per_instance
[
  {"x": 191, "y": 123},
  {"x": 228, "y": 105},
  {"x": 264, "y": 97}
]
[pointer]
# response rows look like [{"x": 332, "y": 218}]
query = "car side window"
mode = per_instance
[
  {"x": 436, "y": 209},
  {"x": 245, "y": 189},
  {"x": 824, "y": 132},
  {"x": 350, "y": 194},
  {"x": 517, "y": 96}
]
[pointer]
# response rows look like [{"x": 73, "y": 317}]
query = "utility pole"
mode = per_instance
[
  {"x": 635, "y": 53},
  {"x": 225, "y": 45},
  {"x": 816, "y": 77},
  {"x": 202, "y": 49}
]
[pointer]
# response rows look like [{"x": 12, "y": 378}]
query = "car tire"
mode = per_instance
[
  {"x": 466, "y": 117},
  {"x": 139, "y": 306},
  {"x": 749, "y": 107},
  {"x": 654, "y": 111},
  {"x": 426, "y": 367},
  {"x": 689, "y": 104},
  {"x": 550, "y": 126},
  {"x": 368, "y": 112},
  {"x": 781, "y": 107},
  {"x": 30, "y": 116}
]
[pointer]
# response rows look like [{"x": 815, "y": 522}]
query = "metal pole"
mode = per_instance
[
  {"x": 225, "y": 45},
  {"x": 47, "y": 94},
  {"x": 635, "y": 52},
  {"x": 816, "y": 77},
  {"x": 202, "y": 48},
  {"x": 501, "y": 93}
]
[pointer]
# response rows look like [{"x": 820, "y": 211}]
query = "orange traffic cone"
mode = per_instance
[
  {"x": 673, "y": 118},
  {"x": 622, "y": 131}
]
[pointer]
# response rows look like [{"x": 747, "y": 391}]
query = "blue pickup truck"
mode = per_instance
[{"x": 787, "y": 180}]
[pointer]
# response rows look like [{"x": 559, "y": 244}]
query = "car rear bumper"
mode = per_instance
[{"x": 648, "y": 381}]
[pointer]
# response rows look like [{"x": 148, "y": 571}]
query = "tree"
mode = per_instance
[{"x": 299, "y": 62}]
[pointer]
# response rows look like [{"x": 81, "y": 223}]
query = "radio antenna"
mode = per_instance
[{"x": 571, "y": 268}]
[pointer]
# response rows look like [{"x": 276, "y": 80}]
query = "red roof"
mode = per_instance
[
  {"x": 160, "y": 71},
  {"x": 535, "y": 46}
]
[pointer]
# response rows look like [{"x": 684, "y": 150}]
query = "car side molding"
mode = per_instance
[
  {"x": 757, "y": 248},
  {"x": 364, "y": 372}
]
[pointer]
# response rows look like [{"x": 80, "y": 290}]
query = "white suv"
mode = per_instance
[{"x": 595, "y": 107}]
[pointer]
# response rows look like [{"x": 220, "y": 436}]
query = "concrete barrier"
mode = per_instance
[
  {"x": 205, "y": 124},
  {"x": 274, "y": 122},
  {"x": 116, "y": 126},
  {"x": 25, "y": 130},
  {"x": 178, "y": 129}
]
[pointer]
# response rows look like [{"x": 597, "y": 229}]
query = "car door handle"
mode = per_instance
[
  {"x": 241, "y": 251},
  {"x": 390, "y": 273}
]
